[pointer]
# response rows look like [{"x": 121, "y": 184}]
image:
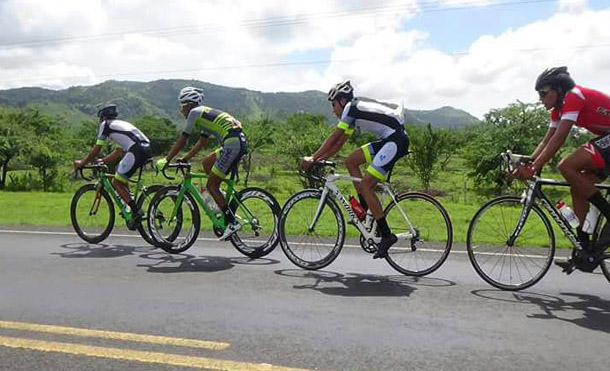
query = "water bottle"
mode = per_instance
[
  {"x": 589, "y": 225},
  {"x": 358, "y": 209},
  {"x": 568, "y": 214},
  {"x": 208, "y": 199}
]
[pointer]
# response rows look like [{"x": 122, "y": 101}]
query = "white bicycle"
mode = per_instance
[{"x": 312, "y": 227}]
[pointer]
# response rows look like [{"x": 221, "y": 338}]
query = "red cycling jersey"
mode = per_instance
[{"x": 588, "y": 108}]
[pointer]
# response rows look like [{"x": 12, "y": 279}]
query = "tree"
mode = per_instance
[
  {"x": 45, "y": 160},
  {"x": 301, "y": 135},
  {"x": 518, "y": 127},
  {"x": 428, "y": 147},
  {"x": 260, "y": 134},
  {"x": 161, "y": 132},
  {"x": 11, "y": 144}
]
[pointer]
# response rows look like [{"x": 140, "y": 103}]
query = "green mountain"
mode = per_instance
[{"x": 158, "y": 98}]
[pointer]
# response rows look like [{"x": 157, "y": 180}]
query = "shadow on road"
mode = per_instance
[
  {"x": 351, "y": 284},
  {"x": 175, "y": 263},
  {"x": 588, "y": 311},
  {"x": 87, "y": 250}
]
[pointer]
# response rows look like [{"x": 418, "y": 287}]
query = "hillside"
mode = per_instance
[{"x": 158, "y": 98}]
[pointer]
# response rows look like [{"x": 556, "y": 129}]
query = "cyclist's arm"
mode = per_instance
[
  {"x": 549, "y": 134},
  {"x": 553, "y": 145},
  {"x": 114, "y": 156},
  {"x": 331, "y": 145},
  {"x": 196, "y": 148},
  {"x": 93, "y": 154},
  {"x": 180, "y": 142}
]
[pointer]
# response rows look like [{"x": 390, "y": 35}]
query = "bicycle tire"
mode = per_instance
[
  {"x": 605, "y": 265},
  {"x": 430, "y": 248},
  {"x": 143, "y": 202},
  {"x": 90, "y": 230},
  {"x": 302, "y": 241},
  {"x": 481, "y": 250},
  {"x": 266, "y": 213},
  {"x": 187, "y": 219}
]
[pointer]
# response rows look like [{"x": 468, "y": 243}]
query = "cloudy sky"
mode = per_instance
[{"x": 470, "y": 54}]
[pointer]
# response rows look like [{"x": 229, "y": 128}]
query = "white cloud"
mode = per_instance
[{"x": 148, "y": 40}]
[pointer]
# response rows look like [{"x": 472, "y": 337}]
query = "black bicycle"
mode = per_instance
[{"x": 511, "y": 242}]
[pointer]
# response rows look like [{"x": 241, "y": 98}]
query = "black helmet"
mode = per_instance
[
  {"x": 108, "y": 111},
  {"x": 558, "y": 78},
  {"x": 343, "y": 89}
]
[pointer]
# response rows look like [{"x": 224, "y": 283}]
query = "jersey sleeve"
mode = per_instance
[
  {"x": 190, "y": 122},
  {"x": 572, "y": 106},
  {"x": 554, "y": 118},
  {"x": 101, "y": 134},
  {"x": 347, "y": 121}
]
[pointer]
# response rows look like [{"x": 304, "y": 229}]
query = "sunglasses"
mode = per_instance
[{"x": 543, "y": 92}]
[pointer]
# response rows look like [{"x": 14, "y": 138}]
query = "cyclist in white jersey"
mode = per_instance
[
  {"x": 385, "y": 121},
  {"x": 131, "y": 142}
]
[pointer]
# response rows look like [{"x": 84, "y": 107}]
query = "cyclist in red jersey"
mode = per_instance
[{"x": 570, "y": 105}]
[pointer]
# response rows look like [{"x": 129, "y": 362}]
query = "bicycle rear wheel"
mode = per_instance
[
  {"x": 177, "y": 234},
  {"x": 510, "y": 266},
  {"x": 92, "y": 213},
  {"x": 427, "y": 250},
  {"x": 317, "y": 248},
  {"x": 258, "y": 213}
]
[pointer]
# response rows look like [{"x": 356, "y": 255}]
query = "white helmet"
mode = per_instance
[
  {"x": 190, "y": 95},
  {"x": 343, "y": 89}
]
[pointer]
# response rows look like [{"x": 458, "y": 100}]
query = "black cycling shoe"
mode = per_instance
[
  {"x": 134, "y": 222},
  {"x": 567, "y": 266},
  {"x": 384, "y": 246}
]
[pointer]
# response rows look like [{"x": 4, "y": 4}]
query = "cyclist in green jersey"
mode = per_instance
[{"x": 218, "y": 164}]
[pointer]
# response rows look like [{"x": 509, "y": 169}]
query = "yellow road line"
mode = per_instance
[
  {"x": 139, "y": 356},
  {"x": 153, "y": 339}
]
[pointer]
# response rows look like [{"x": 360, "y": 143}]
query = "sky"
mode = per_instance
[{"x": 475, "y": 55}]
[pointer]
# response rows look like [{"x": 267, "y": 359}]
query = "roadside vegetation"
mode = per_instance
[{"x": 458, "y": 166}]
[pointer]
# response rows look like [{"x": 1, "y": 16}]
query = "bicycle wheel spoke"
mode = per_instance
[{"x": 509, "y": 267}]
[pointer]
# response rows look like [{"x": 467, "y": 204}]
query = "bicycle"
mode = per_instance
[
  {"x": 512, "y": 248},
  {"x": 92, "y": 210},
  {"x": 176, "y": 206},
  {"x": 317, "y": 227}
]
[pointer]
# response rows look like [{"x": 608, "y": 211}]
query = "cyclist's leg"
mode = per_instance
[
  {"x": 363, "y": 155},
  {"x": 580, "y": 170},
  {"x": 135, "y": 158},
  {"x": 392, "y": 150},
  {"x": 231, "y": 152},
  {"x": 209, "y": 160}
]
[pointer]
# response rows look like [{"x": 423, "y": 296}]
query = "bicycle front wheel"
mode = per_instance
[
  {"x": 505, "y": 264},
  {"x": 306, "y": 246},
  {"x": 176, "y": 234},
  {"x": 143, "y": 203},
  {"x": 258, "y": 213},
  {"x": 424, "y": 232},
  {"x": 605, "y": 265},
  {"x": 92, "y": 213}
]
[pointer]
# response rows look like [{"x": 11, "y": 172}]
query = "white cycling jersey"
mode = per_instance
[
  {"x": 370, "y": 116},
  {"x": 121, "y": 132}
]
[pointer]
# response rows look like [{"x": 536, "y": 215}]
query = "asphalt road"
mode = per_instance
[{"x": 68, "y": 305}]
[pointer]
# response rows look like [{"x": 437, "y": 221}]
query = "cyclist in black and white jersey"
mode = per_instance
[
  {"x": 131, "y": 142},
  {"x": 385, "y": 121}
]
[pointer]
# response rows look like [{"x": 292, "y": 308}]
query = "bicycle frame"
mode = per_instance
[
  {"x": 105, "y": 183},
  {"x": 534, "y": 192},
  {"x": 188, "y": 186},
  {"x": 330, "y": 188}
]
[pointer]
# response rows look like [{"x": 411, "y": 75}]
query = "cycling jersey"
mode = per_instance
[
  {"x": 370, "y": 116},
  {"x": 121, "y": 132},
  {"x": 214, "y": 122},
  {"x": 588, "y": 108}
]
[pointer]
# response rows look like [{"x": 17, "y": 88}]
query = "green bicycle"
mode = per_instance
[
  {"x": 175, "y": 208},
  {"x": 92, "y": 210}
]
